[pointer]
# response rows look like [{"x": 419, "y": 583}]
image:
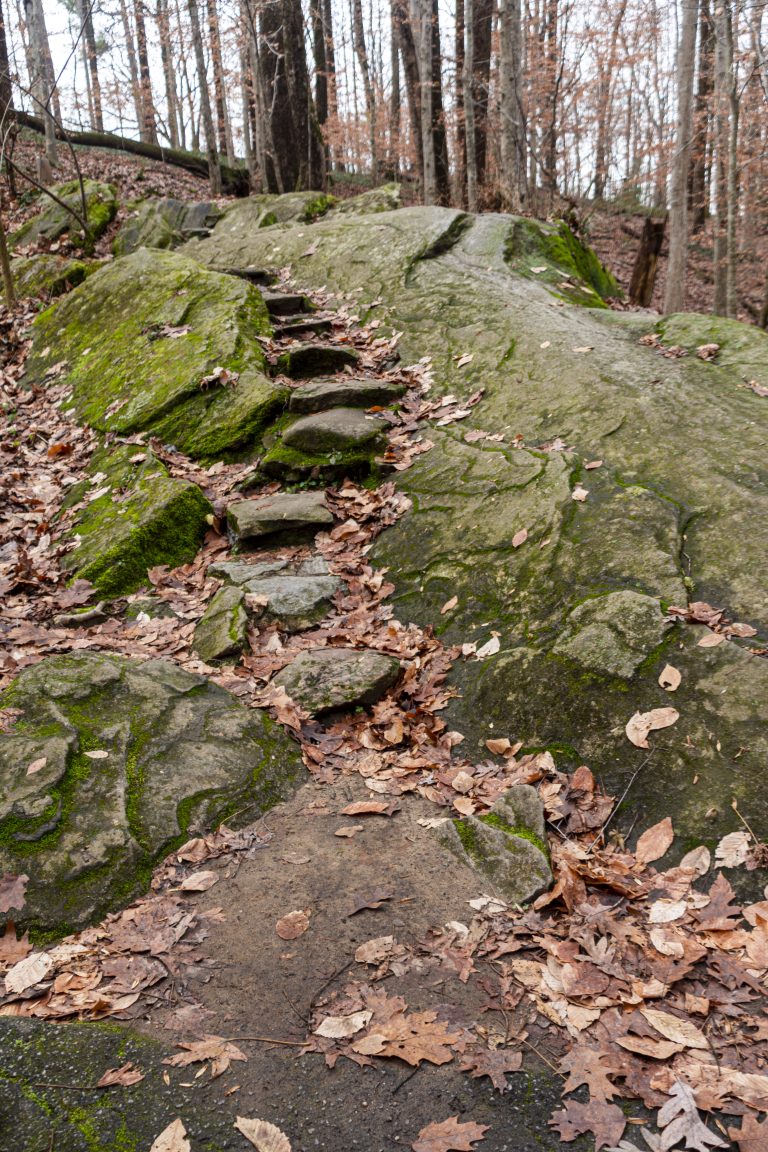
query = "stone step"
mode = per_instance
[
  {"x": 343, "y": 392},
  {"x": 283, "y": 512},
  {"x": 302, "y": 326},
  {"x": 287, "y": 303},
  {"x": 328, "y": 678},
  {"x": 310, "y": 359},
  {"x": 337, "y": 430},
  {"x": 254, "y": 275}
]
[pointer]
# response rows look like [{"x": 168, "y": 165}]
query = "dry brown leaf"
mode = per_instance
[
  {"x": 579, "y": 493},
  {"x": 348, "y": 831},
  {"x": 670, "y": 678},
  {"x": 519, "y": 537},
  {"x": 374, "y": 951},
  {"x": 592, "y": 464},
  {"x": 711, "y": 640},
  {"x": 674, "y": 1028},
  {"x": 293, "y": 925},
  {"x": 172, "y": 1139},
  {"x": 647, "y": 1046},
  {"x": 220, "y": 1051},
  {"x": 37, "y": 765},
  {"x": 680, "y": 1120},
  {"x": 264, "y": 1136},
  {"x": 340, "y": 1027},
  {"x": 654, "y": 842},
  {"x": 733, "y": 849},
  {"x": 124, "y": 1077},
  {"x": 494, "y": 1063},
  {"x": 449, "y": 605},
  {"x": 642, "y": 723},
  {"x": 369, "y": 808},
  {"x": 606, "y": 1121},
  {"x": 412, "y": 1038},
  {"x": 199, "y": 882},
  {"x": 752, "y": 1136},
  {"x": 498, "y": 747},
  {"x": 28, "y": 972},
  {"x": 12, "y": 947},
  {"x": 12, "y": 892},
  {"x": 449, "y": 1136}
]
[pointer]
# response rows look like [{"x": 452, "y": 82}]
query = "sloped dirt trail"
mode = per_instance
[{"x": 323, "y": 969}]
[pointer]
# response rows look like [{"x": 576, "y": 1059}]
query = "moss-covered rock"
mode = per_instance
[
  {"x": 222, "y": 630},
  {"x": 164, "y": 223},
  {"x": 54, "y": 220},
  {"x": 385, "y": 198},
  {"x": 315, "y": 359},
  {"x": 131, "y": 515},
  {"x": 507, "y": 845},
  {"x": 45, "y": 275},
  {"x": 677, "y": 510},
  {"x": 555, "y": 256},
  {"x": 142, "y": 339},
  {"x": 612, "y": 635},
  {"x": 175, "y": 752},
  {"x": 336, "y": 430},
  {"x": 743, "y": 348},
  {"x": 326, "y": 678},
  {"x": 297, "y": 512}
]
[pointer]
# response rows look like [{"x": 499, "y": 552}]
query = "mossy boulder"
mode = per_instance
[
  {"x": 136, "y": 756},
  {"x": 164, "y": 223},
  {"x": 293, "y": 512},
  {"x": 676, "y": 511},
  {"x": 507, "y": 845},
  {"x": 385, "y": 198},
  {"x": 131, "y": 515},
  {"x": 142, "y": 339},
  {"x": 557, "y": 257},
  {"x": 55, "y": 220},
  {"x": 612, "y": 635},
  {"x": 743, "y": 348},
  {"x": 46, "y": 275},
  {"x": 323, "y": 679},
  {"x": 343, "y": 392},
  {"x": 223, "y": 628},
  {"x": 337, "y": 430}
]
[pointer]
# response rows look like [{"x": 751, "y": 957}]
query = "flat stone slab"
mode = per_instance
[
  {"x": 315, "y": 359},
  {"x": 508, "y": 845},
  {"x": 343, "y": 392},
  {"x": 239, "y": 572},
  {"x": 134, "y": 758},
  {"x": 329, "y": 678},
  {"x": 614, "y": 634},
  {"x": 294, "y": 602},
  {"x": 222, "y": 630},
  {"x": 284, "y": 512},
  {"x": 287, "y": 303},
  {"x": 337, "y": 430}
]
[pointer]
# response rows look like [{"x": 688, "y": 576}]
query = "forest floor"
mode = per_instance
[{"x": 369, "y": 956}]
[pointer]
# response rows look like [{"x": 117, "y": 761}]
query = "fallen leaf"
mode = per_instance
[
  {"x": 647, "y": 1046},
  {"x": 670, "y": 678},
  {"x": 348, "y": 830},
  {"x": 220, "y": 1051},
  {"x": 654, "y": 842},
  {"x": 743, "y": 631},
  {"x": 28, "y": 972},
  {"x": 12, "y": 947},
  {"x": 519, "y": 537},
  {"x": 711, "y": 640},
  {"x": 698, "y": 860},
  {"x": 369, "y": 808},
  {"x": 579, "y": 493},
  {"x": 124, "y": 1077},
  {"x": 642, "y": 723},
  {"x": 606, "y": 1121},
  {"x": 494, "y": 1063},
  {"x": 264, "y": 1136},
  {"x": 293, "y": 925},
  {"x": 97, "y": 754},
  {"x": 680, "y": 1120},
  {"x": 376, "y": 950},
  {"x": 467, "y": 358},
  {"x": 449, "y": 605},
  {"x": 733, "y": 849},
  {"x": 340, "y": 1027},
  {"x": 412, "y": 1038},
  {"x": 593, "y": 464},
  {"x": 370, "y": 902},
  {"x": 36, "y": 765},
  {"x": 752, "y": 1136},
  {"x": 199, "y": 882},
  {"x": 449, "y": 1136},
  {"x": 490, "y": 648},
  {"x": 674, "y": 1028},
  {"x": 584, "y": 1065},
  {"x": 584, "y": 348},
  {"x": 172, "y": 1139}
]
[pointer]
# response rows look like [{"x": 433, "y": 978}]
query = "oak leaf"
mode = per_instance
[
  {"x": 752, "y": 1136},
  {"x": 606, "y": 1121},
  {"x": 172, "y": 1139},
  {"x": 125, "y": 1076},
  {"x": 494, "y": 1063},
  {"x": 12, "y": 889},
  {"x": 217, "y": 1049},
  {"x": 584, "y": 1067},
  {"x": 679, "y": 1118},
  {"x": 412, "y": 1038},
  {"x": 449, "y": 1136}
]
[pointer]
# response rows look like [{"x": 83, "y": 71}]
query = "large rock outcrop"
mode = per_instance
[
  {"x": 109, "y": 765},
  {"x": 142, "y": 339},
  {"x": 677, "y": 510}
]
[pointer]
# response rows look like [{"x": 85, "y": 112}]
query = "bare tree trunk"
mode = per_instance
[
  {"x": 133, "y": 67},
  {"x": 674, "y": 296},
  {"x": 393, "y": 160},
  {"x": 166, "y": 55},
  {"x": 469, "y": 107},
  {"x": 699, "y": 198},
  {"x": 214, "y": 169},
  {"x": 727, "y": 128},
  {"x": 407, "y": 44},
  {"x": 5, "y": 269},
  {"x": 39, "y": 80},
  {"x": 422, "y": 10},
  {"x": 513, "y": 164},
  {"x": 321, "y": 63},
  {"x": 604, "y": 91},
  {"x": 222, "y": 119},
  {"x": 646, "y": 262},
  {"x": 442, "y": 169},
  {"x": 482, "y": 12},
  {"x": 147, "y": 125},
  {"x": 89, "y": 48},
  {"x": 358, "y": 32},
  {"x": 461, "y": 113},
  {"x": 7, "y": 120}
]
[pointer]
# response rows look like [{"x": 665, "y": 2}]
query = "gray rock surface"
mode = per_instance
[
  {"x": 224, "y": 626},
  {"x": 283, "y": 512},
  {"x": 337, "y": 430},
  {"x": 338, "y": 678},
  {"x": 507, "y": 845},
  {"x": 613, "y": 634},
  {"x": 135, "y": 757},
  {"x": 240, "y": 572},
  {"x": 315, "y": 359},
  {"x": 293, "y": 602},
  {"x": 343, "y": 392}
]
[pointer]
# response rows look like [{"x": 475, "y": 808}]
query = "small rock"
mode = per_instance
[
  {"x": 294, "y": 602},
  {"x": 222, "y": 630},
  {"x": 314, "y": 566},
  {"x": 312, "y": 359},
  {"x": 238, "y": 572},
  {"x": 284, "y": 512},
  {"x": 507, "y": 845},
  {"x": 338, "y": 677},
  {"x": 337, "y": 430},
  {"x": 343, "y": 392}
]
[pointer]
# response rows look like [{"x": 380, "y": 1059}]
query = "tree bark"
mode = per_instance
[
  {"x": 358, "y": 32},
  {"x": 699, "y": 177},
  {"x": 604, "y": 92},
  {"x": 727, "y": 128},
  {"x": 512, "y": 177},
  {"x": 39, "y": 81},
  {"x": 166, "y": 56},
  {"x": 469, "y": 107},
  {"x": 133, "y": 67},
  {"x": 461, "y": 112},
  {"x": 647, "y": 261},
  {"x": 407, "y": 44},
  {"x": 147, "y": 124},
  {"x": 439, "y": 134},
  {"x": 423, "y": 13},
  {"x": 222, "y": 118},
  {"x": 482, "y": 27},
  {"x": 214, "y": 169},
  {"x": 89, "y": 45},
  {"x": 674, "y": 295},
  {"x": 393, "y": 159}
]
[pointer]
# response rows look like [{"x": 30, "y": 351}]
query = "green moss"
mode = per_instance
[
  {"x": 531, "y": 243},
  {"x": 292, "y": 464},
  {"x": 496, "y": 821},
  {"x": 468, "y": 836},
  {"x": 54, "y": 220}
]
